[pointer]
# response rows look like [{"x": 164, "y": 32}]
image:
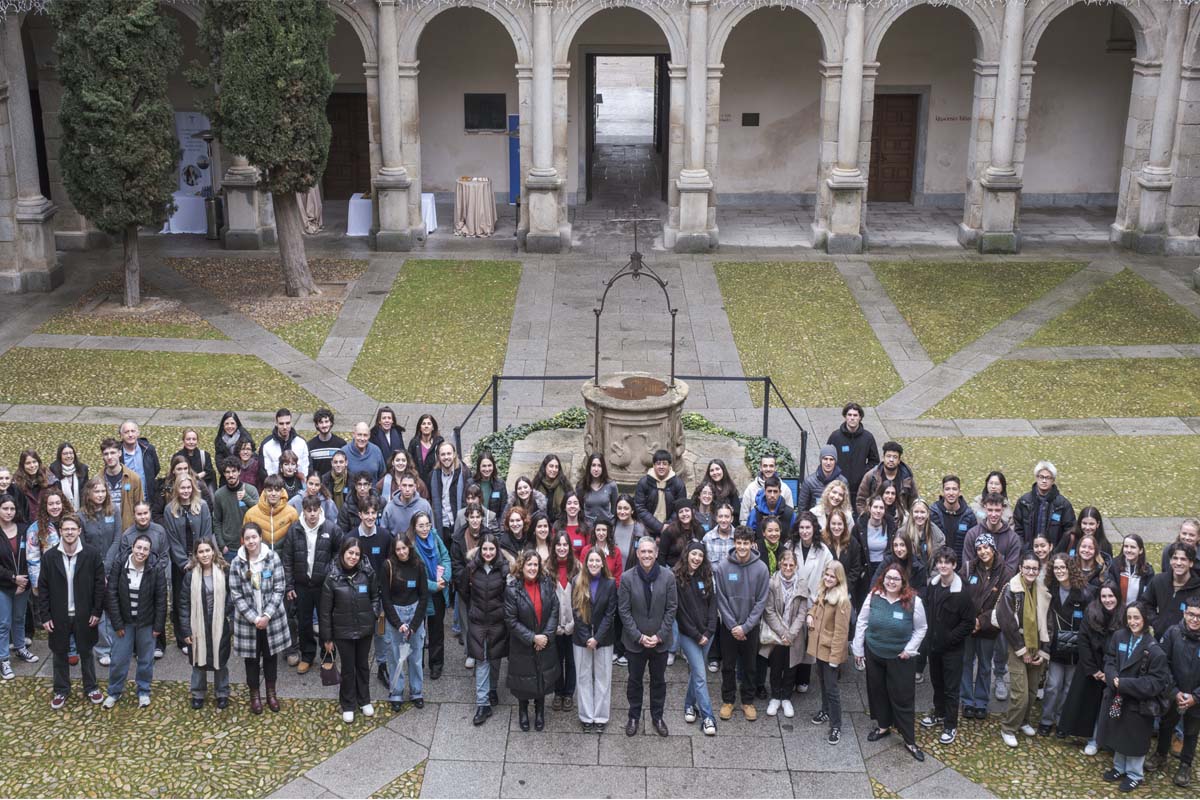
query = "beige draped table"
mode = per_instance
[{"x": 474, "y": 207}]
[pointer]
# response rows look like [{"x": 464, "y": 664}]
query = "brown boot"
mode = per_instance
[
  {"x": 255, "y": 701},
  {"x": 272, "y": 700}
]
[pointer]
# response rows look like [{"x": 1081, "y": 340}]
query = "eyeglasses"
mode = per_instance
[
  {"x": 1029, "y": 569},
  {"x": 891, "y": 579},
  {"x": 1192, "y": 614},
  {"x": 1045, "y": 477}
]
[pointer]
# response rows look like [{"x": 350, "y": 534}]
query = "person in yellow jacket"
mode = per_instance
[{"x": 272, "y": 512}]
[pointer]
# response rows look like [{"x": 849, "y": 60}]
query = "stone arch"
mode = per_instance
[
  {"x": 190, "y": 11},
  {"x": 363, "y": 28},
  {"x": 411, "y": 27},
  {"x": 831, "y": 40},
  {"x": 1145, "y": 26},
  {"x": 984, "y": 24},
  {"x": 566, "y": 28}
]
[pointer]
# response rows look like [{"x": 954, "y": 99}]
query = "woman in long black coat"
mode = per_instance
[
  {"x": 206, "y": 621},
  {"x": 483, "y": 584},
  {"x": 531, "y": 613},
  {"x": 1136, "y": 671},
  {"x": 1081, "y": 710}
]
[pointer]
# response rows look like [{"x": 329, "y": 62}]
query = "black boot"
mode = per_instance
[
  {"x": 523, "y": 715},
  {"x": 539, "y": 713}
]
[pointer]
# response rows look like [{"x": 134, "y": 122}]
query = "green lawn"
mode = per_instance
[
  {"x": 164, "y": 322},
  {"x": 46, "y": 376},
  {"x": 442, "y": 332},
  {"x": 1125, "y": 310},
  {"x": 168, "y": 750},
  {"x": 950, "y": 304},
  {"x": 1125, "y": 387},
  {"x": 798, "y": 323},
  {"x": 1123, "y": 476},
  {"x": 307, "y": 335}
]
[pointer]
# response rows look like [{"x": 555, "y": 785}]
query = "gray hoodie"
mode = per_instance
[
  {"x": 741, "y": 590},
  {"x": 397, "y": 516}
]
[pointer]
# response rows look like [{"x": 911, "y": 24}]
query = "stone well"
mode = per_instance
[{"x": 631, "y": 415}]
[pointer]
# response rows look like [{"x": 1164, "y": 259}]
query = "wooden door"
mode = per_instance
[
  {"x": 893, "y": 148},
  {"x": 589, "y": 79},
  {"x": 662, "y": 119},
  {"x": 348, "y": 169}
]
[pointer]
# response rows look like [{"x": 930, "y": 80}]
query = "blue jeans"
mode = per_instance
[
  {"x": 976, "y": 688},
  {"x": 487, "y": 677},
  {"x": 415, "y": 677},
  {"x": 1130, "y": 766},
  {"x": 1000, "y": 657},
  {"x": 697, "y": 690},
  {"x": 140, "y": 640},
  {"x": 105, "y": 636},
  {"x": 199, "y": 684},
  {"x": 12, "y": 620}
]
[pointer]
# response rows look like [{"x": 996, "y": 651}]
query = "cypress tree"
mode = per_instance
[
  {"x": 119, "y": 153},
  {"x": 269, "y": 65}
]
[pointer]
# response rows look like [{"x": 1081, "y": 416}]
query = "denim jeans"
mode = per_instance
[
  {"x": 1000, "y": 657},
  {"x": 1130, "y": 766},
  {"x": 12, "y": 621},
  {"x": 141, "y": 641},
  {"x": 487, "y": 677},
  {"x": 831, "y": 695},
  {"x": 200, "y": 682},
  {"x": 105, "y": 635},
  {"x": 1058, "y": 684},
  {"x": 978, "y": 652},
  {"x": 697, "y": 690},
  {"x": 415, "y": 673}
]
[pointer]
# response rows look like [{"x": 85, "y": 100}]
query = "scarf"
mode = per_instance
[
  {"x": 789, "y": 590},
  {"x": 339, "y": 488},
  {"x": 563, "y": 575},
  {"x": 1029, "y": 619},
  {"x": 534, "y": 590},
  {"x": 772, "y": 560},
  {"x": 230, "y": 440},
  {"x": 199, "y": 634},
  {"x": 648, "y": 579},
  {"x": 660, "y": 510},
  {"x": 428, "y": 552}
]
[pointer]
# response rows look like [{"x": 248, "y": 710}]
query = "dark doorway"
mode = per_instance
[
  {"x": 348, "y": 169},
  {"x": 893, "y": 148},
  {"x": 627, "y": 140}
]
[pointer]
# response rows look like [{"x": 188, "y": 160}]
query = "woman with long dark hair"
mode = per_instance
[
  {"x": 386, "y": 433},
  {"x": 563, "y": 567},
  {"x": 488, "y": 568},
  {"x": 350, "y": 604},
  {"x": 422, "y": 448},
  {"x": 887, "y": 639},
  {"x": 724, "y": 490},
  {"x": 597, "y": 490},
  {"x": 551, "y": 480},
  {"x": 260, "y": 626},
  {"x": 994, "y": 483},
  {"x": 1069, "y": 598},
  {"x": 404, "y": 590},
  {"x": 491, "y": 483},
  {"x": 1089, "y": 523},
  {"x": 1104, "y": 615},
  {"x": 15, "y": 588},
  {"x": 438, "y": 573},
  {"x": 70, "y": 472},
  {"x": 32, "y": 479},
  {"x": 206, "y": 617},
  {"x": 1131, "y": 571},
  {"x": 230, "y": 435},
  {"x": 697, "y": 620}
]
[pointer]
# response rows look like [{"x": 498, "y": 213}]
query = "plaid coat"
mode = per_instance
[{"x": 241, "y": 586}]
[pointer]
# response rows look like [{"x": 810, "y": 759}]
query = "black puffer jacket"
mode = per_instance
[
  {"x": 1183, "y": 655},
  {"x": 1068, "y": 617},
  {"x": 951, "y": 615},
  {"x": 294, "y": 555},
  {"x": 483, "y": 592},
  {"x": 349, "y": 603},
  {"x": 645, "y": 500},
  {"x": 152, "y": 597},
  {"x": 1060, "y": 516},
  {"x": 604, "y": 611},
  {"x": 531, "y": 673}
]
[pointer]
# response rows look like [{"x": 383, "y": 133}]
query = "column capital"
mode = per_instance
[
  {"x": 1155, "y": 178},
  {"x": 675, "y": 71},
  {"x": 1146, "y": 68},
  {"x": 524, "y": 72},
  {"x": 987, "y": 69},
  {"x": 694, "y": 3},
  {"x": 388, "y": 3},
  {"x": 870, "y": 69},
  {"x": 830, "y": 69},
  {"x": 543, "y": 4},
  {"x": 716, "y": 71},
  {"x": 561, "y": 72},
  {"x": 370, "y": 69},
  {"x": 408, "y": 69}
]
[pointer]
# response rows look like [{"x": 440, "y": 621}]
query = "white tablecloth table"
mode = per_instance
[
  {"x": 358, "y": 217},
  {"x": 428, "y": 212},
  {"x": 189, "y": 216}
]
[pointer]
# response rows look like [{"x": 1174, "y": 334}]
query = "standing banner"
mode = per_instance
[{"x": 194, "y": 178}]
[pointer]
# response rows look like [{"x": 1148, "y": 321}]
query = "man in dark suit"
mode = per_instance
[
  {"x": 646, "y": 601},
  {"x": 71, "y": 599}
]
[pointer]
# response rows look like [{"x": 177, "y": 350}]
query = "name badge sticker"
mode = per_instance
[
  {"x": 1078, "y": 613},
  {"x": 733, "y": 577},
  {"x": 1182, "y": 607},
  {"x": 974, "y": 579},
  {"x": 1123, "y": 647},
  {"x": 845, "y": 448},
  {"x": 267, "y": 573},
  {"x": 1056, "y": 517},
  {"x": 374, "y": 551},
  {"x": 412, "y": 584},
  {"x": 578, "y": 542},
  {"x": 700, "y": 585},
  {"x": 897, "y": 615},
  {"x": 109, "y": 519},
  {"x": 962, "y": 526},
  {"x": 128, "y": 488},
  {"x": 495, "y": 495},
  {"x": 362, "y": 589}
]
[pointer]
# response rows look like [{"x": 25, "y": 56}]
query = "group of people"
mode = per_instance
[{"x": 353, "y": 554}]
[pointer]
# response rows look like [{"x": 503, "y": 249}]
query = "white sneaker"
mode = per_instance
[
  {"x": 110, "y": 702},
  {"x": 1009, "y": 739},
  {"x": 1091, "y": 749},
  {"x": 1028, "y": 730},
  {"x": 713, "y": 666},
  {"x": 772, "y": 707},
  {"x": 689, "y": 714},
  {"x": 6, "y": 671},
  {"x": 143, "y": 701},
  {"x": 788, "y": 711},
  {"x": 158, "y": 653},
  {"x": 920, "y": 677},
  {"x": 622, "y": 661},
  {"x": 670, "y": 659},
  {"x": 368, "y": 710},
  {"x": 105, "y": 661},
  {"x": 469, "y": 663},
  {"x": 347, "y": 717},
  {"x": 1002, "y": 687}
]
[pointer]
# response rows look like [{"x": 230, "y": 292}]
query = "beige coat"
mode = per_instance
[
  {"x": 788, "y": 622},
  {"x": 830, "y": 632}
]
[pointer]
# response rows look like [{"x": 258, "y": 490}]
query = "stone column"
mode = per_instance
[
  {"x": 1138, "y": 127},
  {"x": 391, "y": 183},
  {"x": 561, "y": 94},
  {"x": 542, "y": 181},
  {"x": 712, "y": 143},
  {"x": 37, "y": 266},
  {"x": 676, "y": 113},
  {"x": 694, "y": 182},
  {"x": 831, "y": 87},
  {"x": 1183, "y": 205},
  {"x": 410, "y": 144},
  {"x": 1156, "y": 176},
  {"x": 846, "y": 182},
  {"x": 248, "y": 220},
  {"x": 1001, "y": 182}
]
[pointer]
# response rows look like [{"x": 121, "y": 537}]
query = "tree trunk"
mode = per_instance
[
  {"x": 133, "y": 268},
  {"x": 297, "y": 277}
]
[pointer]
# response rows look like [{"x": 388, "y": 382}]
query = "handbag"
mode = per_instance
[
  {"x": 1114, "y": 710},
  {"x": 329, "y": 671},
  {"x": 766, "y": 635}
]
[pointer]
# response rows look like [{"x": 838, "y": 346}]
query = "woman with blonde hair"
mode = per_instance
[
  {"x": 920, "y": 530},
  {"x": 205, "y": 617},
  {"x": 593, "y": 607},
  {"x": 828, "y": 636},
  {"x": 186, "y": 519},
  {"x": 834, "y": 498}
]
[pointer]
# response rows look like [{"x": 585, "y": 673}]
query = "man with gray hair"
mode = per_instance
[
  {"x": 647, "y": 600},
  {"x": 1042, "y": 510}
]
